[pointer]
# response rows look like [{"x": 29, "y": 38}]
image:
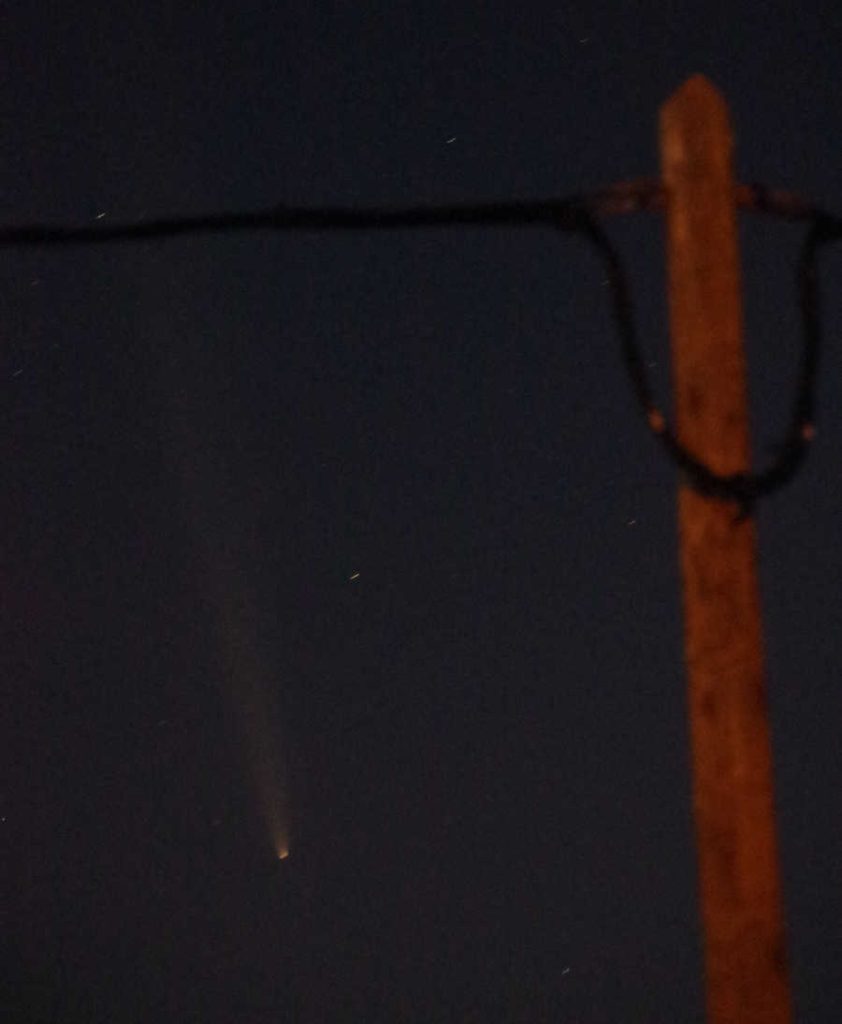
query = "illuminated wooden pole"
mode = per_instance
[{"x": 744, "y": 943}]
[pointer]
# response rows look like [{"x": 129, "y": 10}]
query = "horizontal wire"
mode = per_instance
[{"x": 644, "y": 194}]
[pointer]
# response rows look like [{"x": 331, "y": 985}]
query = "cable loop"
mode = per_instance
[{"x": 576, "y": 214}]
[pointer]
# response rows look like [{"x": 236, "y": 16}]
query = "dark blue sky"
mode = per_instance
[{"x": 481, "y": 737}]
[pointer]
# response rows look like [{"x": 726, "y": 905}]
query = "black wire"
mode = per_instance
[
  {"x": 575, "y": 214},
  {"x": 743, "y": 488},
  {"x": 562, "y": 212}
]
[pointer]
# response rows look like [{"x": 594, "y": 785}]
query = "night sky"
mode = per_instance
[{"x": 357, "y": 545}]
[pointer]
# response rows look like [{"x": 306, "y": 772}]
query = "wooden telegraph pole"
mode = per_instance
[{"x": 744, "y": 947}]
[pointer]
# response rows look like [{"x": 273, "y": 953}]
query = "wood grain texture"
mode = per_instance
[{"x": 745, "y": 960}]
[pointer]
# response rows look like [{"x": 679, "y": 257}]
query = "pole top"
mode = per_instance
[
  {"x": 695, "y": 128},
  {"x": 696, "y": 98},
  {"x": 696, "y": 89}
]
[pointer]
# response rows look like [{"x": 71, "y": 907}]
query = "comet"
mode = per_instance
[{"x": 247, "y": 671}]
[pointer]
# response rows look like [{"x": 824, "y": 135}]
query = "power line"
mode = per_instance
[
  {"x": 575, "y": 214},
  {"x": 564, "y": 213}
]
